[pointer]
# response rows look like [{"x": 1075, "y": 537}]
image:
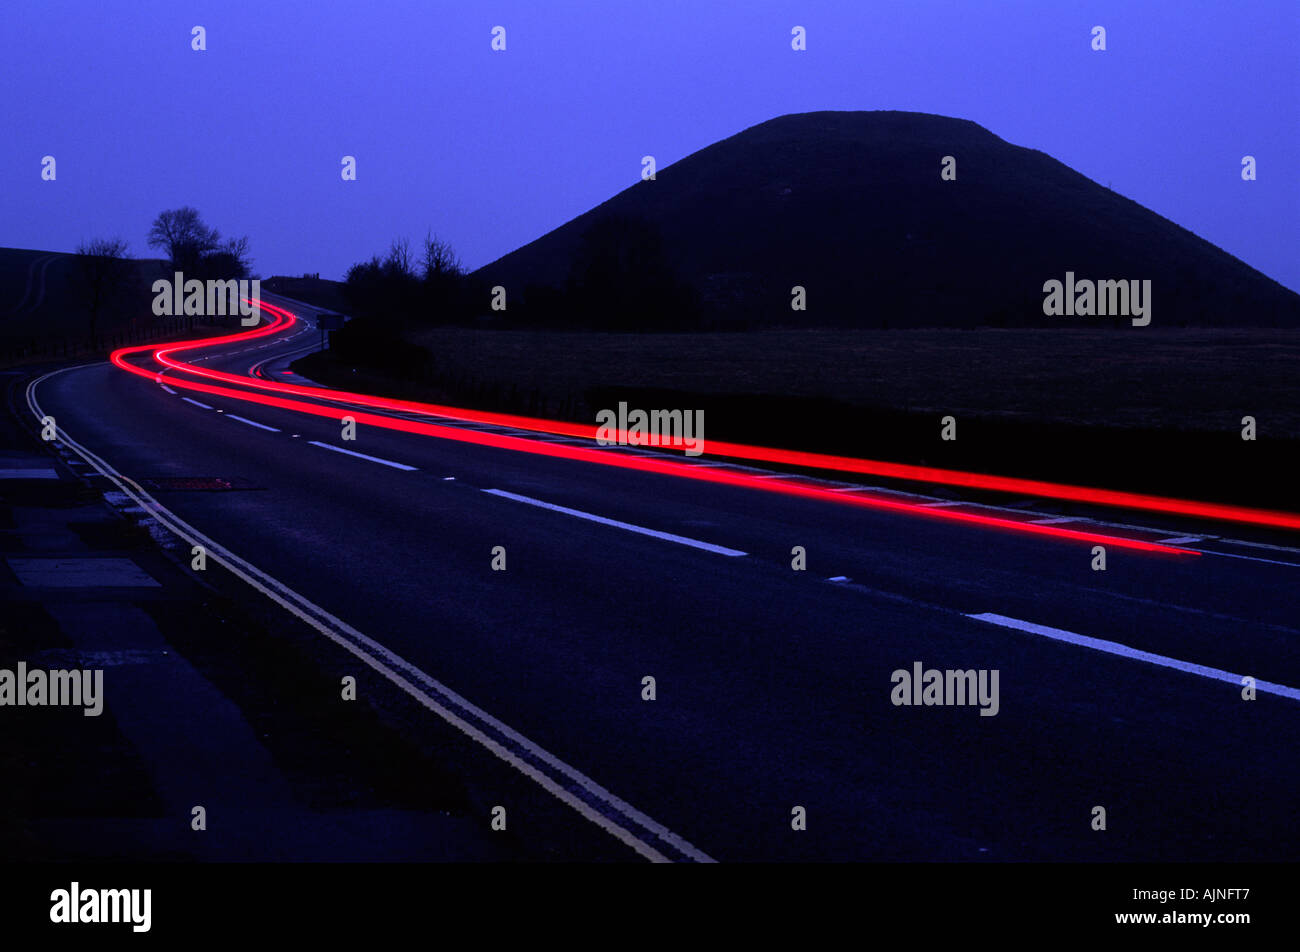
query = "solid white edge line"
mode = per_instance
[
  {"x": 373, "y": 459},
  {"x": 333, "y": 628},
  {"x": 640, "y": 530},
  {"x": 1136, "y": 654}
]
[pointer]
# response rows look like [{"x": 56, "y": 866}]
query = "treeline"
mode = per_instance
[
  {"x": 112, "y": 288},
  {"x": 619, "y": 279}
]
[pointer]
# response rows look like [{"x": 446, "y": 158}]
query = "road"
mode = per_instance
[{"x": 1117, "y": 689}]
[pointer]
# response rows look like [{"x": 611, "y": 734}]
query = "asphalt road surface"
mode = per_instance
[{"x": 1118, "y": 689}]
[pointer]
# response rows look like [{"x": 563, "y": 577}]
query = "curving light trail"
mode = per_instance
[{"x": 283, "y": 319}]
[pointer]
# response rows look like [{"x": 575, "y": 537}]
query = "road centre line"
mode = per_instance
[{"x": 640, "y": 530}]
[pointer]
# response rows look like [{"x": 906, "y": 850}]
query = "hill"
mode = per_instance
[{"x": 851, "y": 206}]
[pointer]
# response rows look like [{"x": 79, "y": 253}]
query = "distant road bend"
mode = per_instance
[{"x": 772, "y": 611}]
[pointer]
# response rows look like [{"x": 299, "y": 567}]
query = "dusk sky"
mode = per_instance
[{"x": 490, "y": 150}]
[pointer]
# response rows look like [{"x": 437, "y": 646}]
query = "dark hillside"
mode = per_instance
[{"x": 851, "y": 206}]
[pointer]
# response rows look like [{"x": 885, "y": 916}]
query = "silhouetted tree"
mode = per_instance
[
  {"x": 443, "y": 279},
  {"x": 107, "y": 276},
  {"x": 386, "y": 294},
  {"x": 229, "y": 260},
  {"x": 194, "y": 247},
  {"x": 182, "y": 235}
]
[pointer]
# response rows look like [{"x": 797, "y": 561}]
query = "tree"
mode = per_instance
[
  {"x": 107, "y": 276},
  {"x": 398, "y": 263},
  {"x": 192, "y": 246},
  {"x": 440, "y": 259},
  {"x": 228, "y": 261},
  {"x": 443, "y": 279},
  {"x": 184, "y": 237},
  {"x": 387, "y": 295}
]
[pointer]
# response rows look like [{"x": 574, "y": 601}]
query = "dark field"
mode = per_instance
[
  {"x": 1182, "y": 379},
  {"x": 1157, "y": 411}
]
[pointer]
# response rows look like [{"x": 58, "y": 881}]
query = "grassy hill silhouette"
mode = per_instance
[{"x": 851, "y": 206}]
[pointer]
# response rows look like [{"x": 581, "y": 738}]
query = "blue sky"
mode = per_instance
[{"x": 490, "y": 150}]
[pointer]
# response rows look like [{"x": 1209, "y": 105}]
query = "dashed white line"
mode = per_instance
[
  {"x": 1124, "y": 651},
  {"x": 640, "y": 530},
  {"x": 373, "y": 459},
  {"x": 1055, "y": 521},
  {"x": 260, "y": 426},
  {"x": 196, "y": 403},
  {"x": 168, "y": 389}
]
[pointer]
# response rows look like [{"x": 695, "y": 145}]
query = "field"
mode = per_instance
[
  {"x": 1153, "y": 410},
  {"x": 1181, "y": 379}
]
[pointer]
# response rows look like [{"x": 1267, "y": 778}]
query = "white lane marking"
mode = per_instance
[
  {"x": 1058, "y": 519},
  {"x": 1189, "y": 538},
  {"x": 640, "y": 530},
  {"x": 1248, "y": 558},
  {"x": 260, "y": 426},
  {"x": 571, "y": 787},
  {"x": 373, "y": 459},
  {"x": 1261, "y": 545},
  {"x": 882, "y": 489},
  {"x": 959, "y": 502},
  {"x": 196, "y": 403},
  {"x": 168, "y": 389},
  {"x": 838, "y": 578},
  {"x": 1124, "y": 651}
]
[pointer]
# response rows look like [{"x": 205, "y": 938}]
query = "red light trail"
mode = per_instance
[{"x": 284, "y": 319}]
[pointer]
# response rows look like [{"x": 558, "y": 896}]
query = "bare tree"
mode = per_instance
[
  {"x": 440, "y": 259},
  {"x": 106, "y": 277},
  {"x": 398, "y": 261},
  {"x": 228, "y": 260}
]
